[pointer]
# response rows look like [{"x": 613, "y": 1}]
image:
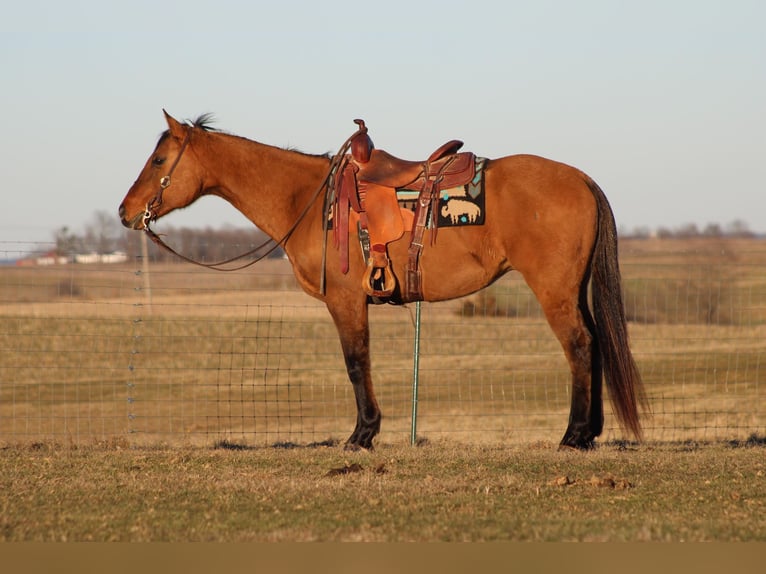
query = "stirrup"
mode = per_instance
[{"x": 378, "y": 279}]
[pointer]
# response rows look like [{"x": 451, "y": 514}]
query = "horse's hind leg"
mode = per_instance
[
  {"x": 353, "y": 328},
  {"x": 568, "y": 315},
  {"x": 586, "y": 411}
]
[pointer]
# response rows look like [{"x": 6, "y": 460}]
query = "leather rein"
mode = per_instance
[{"x": 150, "y": 214}]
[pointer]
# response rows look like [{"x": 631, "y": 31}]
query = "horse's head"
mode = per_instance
[{"x": 171, "y": 178}]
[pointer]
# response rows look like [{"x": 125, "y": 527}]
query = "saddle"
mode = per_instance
[{"x": 365, "y": 194}]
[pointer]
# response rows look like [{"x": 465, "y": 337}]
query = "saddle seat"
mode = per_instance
[{"x": 383, "y": 168}]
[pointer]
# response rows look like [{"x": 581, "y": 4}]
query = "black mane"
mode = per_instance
[{"x": 203, "y": 122}]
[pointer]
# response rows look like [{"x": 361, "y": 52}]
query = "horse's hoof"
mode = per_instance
[
  {"x": 353, "y": 447},
  {"x": 581, "y": 444}
]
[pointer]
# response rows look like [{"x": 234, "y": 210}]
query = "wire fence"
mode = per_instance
[{"x": 141, "y": 352}]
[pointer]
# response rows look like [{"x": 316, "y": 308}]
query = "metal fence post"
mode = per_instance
[{"x": 415, "y": 376}]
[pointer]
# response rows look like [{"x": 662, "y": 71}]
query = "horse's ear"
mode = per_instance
[{"x": 177, "y": 129}]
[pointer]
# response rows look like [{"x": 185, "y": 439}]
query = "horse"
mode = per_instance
[{"x": 546, "y": 220}]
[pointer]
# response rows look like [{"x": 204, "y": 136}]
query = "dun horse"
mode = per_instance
[{"x": 548, "y": 221}]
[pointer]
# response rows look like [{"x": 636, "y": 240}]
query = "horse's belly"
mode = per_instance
[{"x": 460, "y": 262}]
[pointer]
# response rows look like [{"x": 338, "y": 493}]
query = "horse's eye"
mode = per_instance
[{"x": 157, "y": 160}]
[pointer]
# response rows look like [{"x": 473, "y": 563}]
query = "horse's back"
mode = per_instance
[
  {"x": 540, "y": 182},
  {"x": 538, "y": 196}
]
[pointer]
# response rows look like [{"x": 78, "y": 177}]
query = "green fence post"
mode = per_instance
[{"x": 415, "y": 376}]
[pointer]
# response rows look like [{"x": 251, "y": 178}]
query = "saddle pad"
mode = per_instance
[{"x": 458, "y": 206}]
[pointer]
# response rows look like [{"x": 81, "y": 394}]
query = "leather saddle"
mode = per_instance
[{"x": 365, "y": 193}]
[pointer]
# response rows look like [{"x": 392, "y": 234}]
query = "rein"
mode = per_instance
[{"x": 150, "y": 215}]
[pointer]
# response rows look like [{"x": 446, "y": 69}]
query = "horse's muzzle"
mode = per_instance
[{"x": 136, "y": 222}]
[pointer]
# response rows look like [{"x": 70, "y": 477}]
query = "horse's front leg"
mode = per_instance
[{"x": 353, "y": 328}]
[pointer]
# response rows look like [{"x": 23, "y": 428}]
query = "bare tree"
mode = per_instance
[
  {"x": 103, "y": 233},
  {"x": 66, "y": 241}
]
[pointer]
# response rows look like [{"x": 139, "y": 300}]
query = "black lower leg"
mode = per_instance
[
  {"x": 578, "y": 436},
  {"x": 366, "y": 430},
  {"x": 368, "y": 413}
]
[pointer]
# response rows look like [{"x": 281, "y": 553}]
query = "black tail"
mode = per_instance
[{"x": 626, "y": 390}]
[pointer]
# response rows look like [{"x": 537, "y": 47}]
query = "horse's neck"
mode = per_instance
[{"x": 268, "y": 185}]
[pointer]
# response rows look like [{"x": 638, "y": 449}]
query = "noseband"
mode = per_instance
[{"x": 150, "y": 213}]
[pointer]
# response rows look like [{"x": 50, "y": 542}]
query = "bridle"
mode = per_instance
[{"x": 150, "y": 214}]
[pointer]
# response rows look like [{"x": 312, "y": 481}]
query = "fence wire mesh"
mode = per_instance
[{"x": 148, "y": 353}]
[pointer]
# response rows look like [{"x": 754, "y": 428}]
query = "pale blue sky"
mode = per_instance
[{"x": 662, "y": 102}]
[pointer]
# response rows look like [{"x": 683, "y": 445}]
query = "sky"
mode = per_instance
[{"x": 663, "y": 103}]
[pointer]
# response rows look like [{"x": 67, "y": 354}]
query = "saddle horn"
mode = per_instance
[{"x": 361, "y": 144}]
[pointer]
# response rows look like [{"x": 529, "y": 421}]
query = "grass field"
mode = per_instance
[
  {"x": 116, "y": 385},
  {"x": 435, "y": 492}
]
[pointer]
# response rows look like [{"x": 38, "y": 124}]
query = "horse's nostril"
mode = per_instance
[{"x": 121, "y": 211}]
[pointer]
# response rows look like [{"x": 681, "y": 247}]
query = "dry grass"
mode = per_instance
[{"x": 437, "y": 492}]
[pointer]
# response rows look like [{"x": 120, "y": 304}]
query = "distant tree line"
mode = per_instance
[
  {"x": 735, "y": 229},
  {"x": 104, "y": 234}
]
